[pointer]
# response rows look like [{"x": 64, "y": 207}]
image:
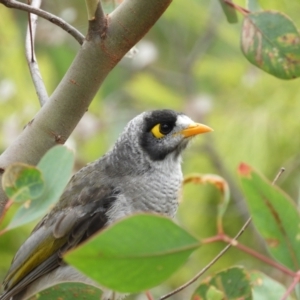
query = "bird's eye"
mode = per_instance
[
  {"x": 161, "y": 129},
  {"x": 165, "y": 128}
]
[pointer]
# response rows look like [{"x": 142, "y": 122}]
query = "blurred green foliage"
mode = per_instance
[{"x": 190, "y": 61}]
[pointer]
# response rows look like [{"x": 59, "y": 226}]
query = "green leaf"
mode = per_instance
[
  {"x": 253, "y": 5},
  {"x": 22, "y": 182},
  {"x": 69, "y": 291},
  {"x": 232, "y": 283},
  {"x": 275, "y": 216},
  {"x": 134, "y": 254},
  {"x": 229, "y": 12},
  {"x": 264, "y": 287},
  {"x": 271, "y": 41},
  {"x": 56, "y": 167},
  {"x": 214, "y": 294},
  {"x": 220, "y": 183}
]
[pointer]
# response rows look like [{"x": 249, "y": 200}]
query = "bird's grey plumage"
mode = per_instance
[{"x": 141, "y": 173}]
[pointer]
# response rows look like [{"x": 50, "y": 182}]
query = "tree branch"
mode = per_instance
[
  {"x": 30, "y": 56},
  {"x": 97, "y": 57},
  {"x": 97, "y": 19},
  {"x": 46, "y": 15},
  {"x": 91, "y": 6}
]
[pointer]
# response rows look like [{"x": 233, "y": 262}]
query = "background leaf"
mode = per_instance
[
  {"x": 69, "y": 291},
  {"x": 134, "y": 254},
  {"x": 220, "y": 183},
  {"x": 253, "y": 5},
  {"x": 264, "y": 287},
  {"x": 232, "y": 283},
  {"x": 56, "y": 167},
  {"x": 271, "y": 41},
  {"x": 22, "y": 182},
  {"x": 214, "y": 294},
  {"x": 275, "y": 216},
  {"x": 229, "y": 12}
]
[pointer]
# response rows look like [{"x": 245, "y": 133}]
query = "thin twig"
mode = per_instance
[
  {"x": 30, "y": 56},
  {"x": 7, "y": 206},
  {"x": 209, "y": 265},
  {"x": 31, "y": 23},
  {"x": 278, "y": 175},
  {"x": 291, "y": 287},
  {"x": 46, "y": 15}
]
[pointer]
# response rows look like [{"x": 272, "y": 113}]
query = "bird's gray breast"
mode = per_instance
[{"x": 155, "y": 191}]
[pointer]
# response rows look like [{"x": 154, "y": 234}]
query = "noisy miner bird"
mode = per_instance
[{"x": 141, "y": 173}]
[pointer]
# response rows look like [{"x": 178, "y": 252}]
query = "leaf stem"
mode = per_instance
[
  {"x": 6, "y": 208},
  {"x": 240, "y": 9},
  {"x": 292, "y": 286},
  {"x": 226, "y": 239},
  {"x": 148, "y": 295},
  {"x": 263, "y": 258},
  {"x": 232, "y": 243}
]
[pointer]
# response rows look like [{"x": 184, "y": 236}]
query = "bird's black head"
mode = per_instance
[
  {"x": 155, "y": 134},
  {"x": 163, "y": 132}
]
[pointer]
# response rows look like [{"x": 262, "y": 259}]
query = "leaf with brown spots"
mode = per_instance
[
  {"x": 232, "y": 283},
  {"x": 216, "y": 180},
  {"x": 271, "y": 41},
  {"x": 22, "y": 182},
  {"x": 220, "y": 183},
  {"x": 275, "y": 216}
]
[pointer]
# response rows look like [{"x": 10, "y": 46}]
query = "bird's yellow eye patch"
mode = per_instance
[
  {"x": 156, "y": 131},
  {"x": 162, "y": 129}
]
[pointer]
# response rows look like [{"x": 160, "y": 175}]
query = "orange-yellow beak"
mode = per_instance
[{"x": 194, "y": 129}]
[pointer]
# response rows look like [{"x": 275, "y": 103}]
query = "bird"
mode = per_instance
[{"x": 141, "y": 173}]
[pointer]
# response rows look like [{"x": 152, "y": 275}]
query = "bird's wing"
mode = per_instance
[{"x": 63, "y": 228}]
